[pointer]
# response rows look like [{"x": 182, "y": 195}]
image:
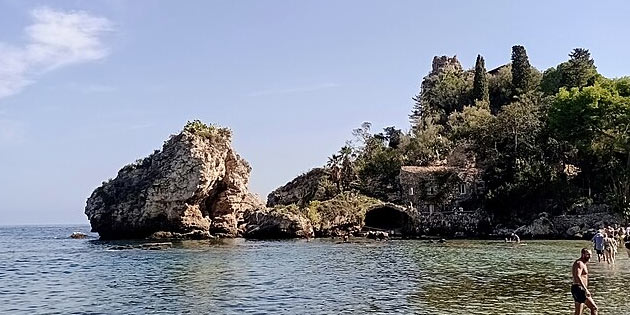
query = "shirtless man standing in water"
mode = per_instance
[{"x": 579, "y": 289}]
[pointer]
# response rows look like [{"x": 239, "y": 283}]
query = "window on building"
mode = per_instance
[
  {"x": 431, "y": 190},
  {"x": 431, "y": 208},
  {"x": 410, "y": 191},
  {"x": 462, "y": 189}
]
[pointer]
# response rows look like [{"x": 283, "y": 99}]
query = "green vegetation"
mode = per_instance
[
  {"x": 344, "y": 210},
  {"x": 198, "y": 128},
  {"x": 347, "y": 208},
  {"x": 544, "y": 142},
  {"x": 480, "y": 83}
]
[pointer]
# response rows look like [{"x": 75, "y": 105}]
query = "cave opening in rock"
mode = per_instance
[
  {"x": 208, "y": 204},
  {"x": 388, "y": 219}
]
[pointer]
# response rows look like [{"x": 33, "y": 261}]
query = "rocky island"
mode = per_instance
[
  {"x": 195, "y": 187},
  {"x": 543, "y": 154}
]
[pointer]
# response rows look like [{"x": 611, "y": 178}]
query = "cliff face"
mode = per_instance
[
  {"x": 313, "y": 185},
  {"x": 196, "y": 186}
]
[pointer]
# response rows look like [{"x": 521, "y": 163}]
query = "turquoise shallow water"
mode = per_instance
[{"x": 44, "y": 272}]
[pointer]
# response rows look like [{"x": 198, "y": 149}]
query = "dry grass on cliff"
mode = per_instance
[
  {"x": 347, "y": 206},
  {"x": 197, "y": 127}
]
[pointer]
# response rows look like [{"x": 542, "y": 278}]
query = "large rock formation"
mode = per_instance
[
  {"x": 575, "y": 226},
  {"x": 345, "y": 213},
  {"x": 541, "y": 227},
  {"x": 312, "y": 185},
  {"x": 277, "y": 223},
  {"x": 196, "y": 186}
]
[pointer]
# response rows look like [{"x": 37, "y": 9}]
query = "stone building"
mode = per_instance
[{"x": 441, "y": 188}]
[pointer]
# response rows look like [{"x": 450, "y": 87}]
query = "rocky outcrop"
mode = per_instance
[
  {"x": 539, "y": 228},
  {"x": 195, "y": 186},
  {"x": 341, "y": 215},
  {"x": 576, "y": 226},
  {"x": 277, "y": 223},
  {"x": 585, "y": 226},
  {"x": 445, "y": 63},
  {"x": 313, "y": 185},
  {"x": 78, "y": 235}
]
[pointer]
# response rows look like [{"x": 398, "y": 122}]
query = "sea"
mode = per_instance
[{"x": 43, "y": 271}]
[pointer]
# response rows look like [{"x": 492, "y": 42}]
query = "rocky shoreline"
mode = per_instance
[{"x": 195, "y": 187}]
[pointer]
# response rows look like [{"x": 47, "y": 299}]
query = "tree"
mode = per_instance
[
  {"x": 393, "y": 136},
  {"x": 522, "y": 77},
  {"x": 444, "y": 90},
  {"x": 596, "y": 120},
  {"x": 500, "y": 87},
  {"x": 480, "y": 81},
  {"x": 580, "y": 70},
  {"x": 552, "y": 79},
  {"x": 472, "y": 125},
  {"x": 426, "y": 143}
]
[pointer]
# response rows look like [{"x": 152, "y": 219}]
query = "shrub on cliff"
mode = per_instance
[{"x": 198, "y": 128}]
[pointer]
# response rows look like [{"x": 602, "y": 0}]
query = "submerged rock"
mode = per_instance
[
  {"x": 196, "y": 186},
  {"x": 145, "y": 246},
  {"x": 377, "y": 235}
]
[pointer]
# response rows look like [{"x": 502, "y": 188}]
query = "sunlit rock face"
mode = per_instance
[
  {"x": 312, "y": 185},
  {"x": 195, "y": 187}
]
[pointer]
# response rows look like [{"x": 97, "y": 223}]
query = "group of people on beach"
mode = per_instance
[{"x": 607, "y": 242}]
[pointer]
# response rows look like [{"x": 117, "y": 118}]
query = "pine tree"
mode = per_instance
[
  {"x": 521, "y": 71},
  {"x": 480, "y": 83},
  {"x": 580, "y": 69}
]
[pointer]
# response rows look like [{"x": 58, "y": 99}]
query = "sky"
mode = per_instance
[{"x": 89, "y": 86}]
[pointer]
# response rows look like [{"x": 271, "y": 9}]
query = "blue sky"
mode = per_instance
[{"x": 89, "y": 86}]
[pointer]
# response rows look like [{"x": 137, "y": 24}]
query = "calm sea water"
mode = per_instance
[{"x": 42, "y": 271}]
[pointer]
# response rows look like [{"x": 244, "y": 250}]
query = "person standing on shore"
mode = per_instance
[
  {"x": 579, "y": 289},
  {"x": 598, "y": 243}
]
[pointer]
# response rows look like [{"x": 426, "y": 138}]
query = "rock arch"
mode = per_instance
[{"x": 389, "y": 217}]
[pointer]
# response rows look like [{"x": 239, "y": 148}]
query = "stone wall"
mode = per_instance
[
  {"x": 440, "y": 188},
  {"x": 454, "y": 224}
]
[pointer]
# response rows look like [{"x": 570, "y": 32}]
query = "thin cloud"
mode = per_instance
[
  {"x": 90, "y": 88},
  {"x": 310, "y": 88},
  {"x": 55, "y": 39}
]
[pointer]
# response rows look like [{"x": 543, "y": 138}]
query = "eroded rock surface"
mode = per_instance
[
  {"x": 314, "y": 185},
  {"x": 539, "y": 228},
  {"x": 196, "y": 185},
  {"x": 268, "y": 223}
]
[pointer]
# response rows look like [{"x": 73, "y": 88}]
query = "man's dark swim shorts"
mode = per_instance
[
  {"x": 579, "y": 294},
  {"x": 600, "y": 251}
]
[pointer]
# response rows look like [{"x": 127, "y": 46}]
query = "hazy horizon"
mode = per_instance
[{"x": 87, "y": 87}]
